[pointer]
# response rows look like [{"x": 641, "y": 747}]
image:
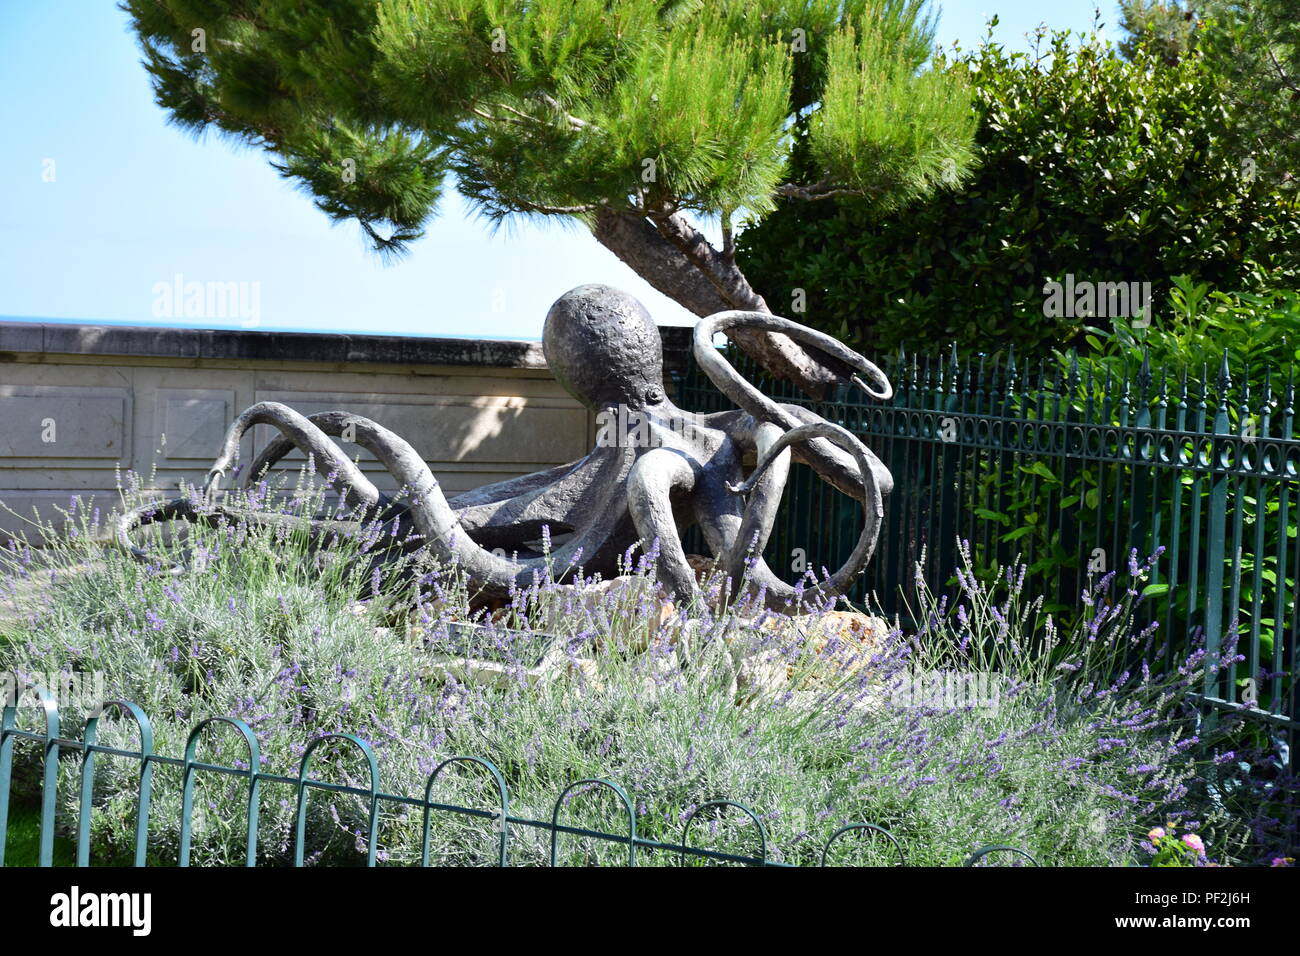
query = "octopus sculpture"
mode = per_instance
[{"x": 656, "y": 469}]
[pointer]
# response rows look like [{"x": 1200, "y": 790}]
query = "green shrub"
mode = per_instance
[
  {"x": 1260, "y": 334},
  {"x": 1091, "y": 165}
]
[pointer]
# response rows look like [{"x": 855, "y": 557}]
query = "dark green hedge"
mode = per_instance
[{"x": 1091, "y": 164}]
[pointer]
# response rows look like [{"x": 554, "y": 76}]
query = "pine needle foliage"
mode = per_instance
[{"x": 564, "y": 107}]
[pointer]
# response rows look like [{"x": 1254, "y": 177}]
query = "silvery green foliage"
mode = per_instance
[{"x": 1071, "y": 759}]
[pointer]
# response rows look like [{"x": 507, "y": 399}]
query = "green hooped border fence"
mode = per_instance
[
  {"x": 1070, "y": 468},
  {"x": 53, "y": 748}
]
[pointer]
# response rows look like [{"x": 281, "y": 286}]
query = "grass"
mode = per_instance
[{"x": 22, "y": 848}]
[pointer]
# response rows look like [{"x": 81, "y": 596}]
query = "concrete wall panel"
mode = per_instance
[{"x": 157, "y": 402}]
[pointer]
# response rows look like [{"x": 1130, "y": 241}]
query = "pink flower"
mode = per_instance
[
  {"x": 1156, "y": 834},
  {"x": 1193, "y": 842},
  {"x": 1283, "y": 861}
]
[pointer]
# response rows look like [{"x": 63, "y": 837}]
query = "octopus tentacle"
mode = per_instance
[
  {"x": 768, "y": 484},
  {"x": 494, "y": 514},
  {"x": 654, "y": 479},
  {"x": 806, "y": 454},
  {"x": 765, "y": 495},
  {"x": 446, "y": 536},
  {"x": 211, "y": 515},
  {"x": 728, "y": 380},
  {"x": 828, "y": 460},
  {"x": 332, "y": 423},
  {"x": 298, "y": 431},
  {"x": 428, "y": 509},
  {"x": 302, "y": 433}
]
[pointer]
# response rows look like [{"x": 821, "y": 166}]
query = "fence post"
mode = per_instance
[
  {"x": 1144, "y": 450},
  {"x": 88, "y": 782},
  {"x": 50, "y": 777},
  {"x": 1217, "y": 536},
  {"x": 592, "y": 782},
  {"x": 502, "y": 793},
  {"x": 187, "y": 795},
  {"x": 719, "y": 805},
  {"x": 304, "y": 783}
]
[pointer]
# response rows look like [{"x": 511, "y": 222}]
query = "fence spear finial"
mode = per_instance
[{"x": 1144, "y": 373}]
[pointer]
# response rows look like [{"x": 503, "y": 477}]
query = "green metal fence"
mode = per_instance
[
  {"x": 1071, "y": 468},
  {"x": 53, "y": 748}
]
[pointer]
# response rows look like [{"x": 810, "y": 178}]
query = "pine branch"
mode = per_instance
[
  {"x": 576, "y": 122},
  {"x": 546, "y": 210},
  {"x": 723, "y": 275},
  {"x": 819, "y": 190},
  {"x": 482, "y": 114},
  {"x": 1283, "y": 77},
  {"x": 527, "y": 119},
  {"x": 389, "y": 247}
]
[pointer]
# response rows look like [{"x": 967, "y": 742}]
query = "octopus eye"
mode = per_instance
[{"x": 654, "y": 395}]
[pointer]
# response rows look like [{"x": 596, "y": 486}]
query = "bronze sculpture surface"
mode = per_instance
[{"x": 655, "y": 469}]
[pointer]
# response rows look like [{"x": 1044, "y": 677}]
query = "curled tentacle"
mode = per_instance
[
  {"x": 427, "y": 508},
  {"x": 447, "y": 538},
  {"x": 149, "y": 514},
  {"x": 655, "y": 477},
  {"x": 480, "y": 510},
  {"x": 765, "y": 494},
  {"x": 211, "y": 515},
  {"x": 297, "y": 432},
  {"x": 301, "y": 432},
  {"x": 827, "y": 459},
  {"x": 764, "y": 490},
  {"x": 744, "y": 394},
  {"x": 333, "y": 423}
]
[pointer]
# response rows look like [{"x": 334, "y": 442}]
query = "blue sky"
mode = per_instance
[{"x": 101, "y": 201}]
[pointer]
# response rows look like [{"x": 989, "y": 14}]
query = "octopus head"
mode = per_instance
[{"x": 604, "y": 348}]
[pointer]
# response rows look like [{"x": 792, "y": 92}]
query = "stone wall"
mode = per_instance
[{"x": 79, "y": 401}]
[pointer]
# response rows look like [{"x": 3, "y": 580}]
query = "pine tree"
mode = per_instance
[
  {"x": 1254, "y": 46},
  {"x": 1166, "y": 27},
  {"x": 638, "y": 118}
]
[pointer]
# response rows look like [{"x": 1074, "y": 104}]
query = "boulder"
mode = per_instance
[
  {"x": 832, "y": 646},
  {"x": 636, "y": 607}
]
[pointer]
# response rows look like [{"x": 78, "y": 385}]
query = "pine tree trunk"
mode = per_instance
[{"x": 675, "y": 258}]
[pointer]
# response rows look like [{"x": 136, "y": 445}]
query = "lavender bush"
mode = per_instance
[{"x": 982, "y": 725}]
